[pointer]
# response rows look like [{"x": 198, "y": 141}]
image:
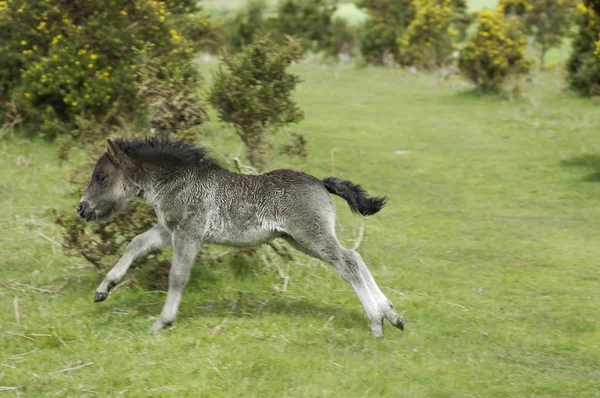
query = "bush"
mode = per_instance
[
  {"x": 387, "y": 21},
  {"x": 308, "y": 20},
  {"x": 583, "y": 67},
  {"x": 427, "y": 41},
  {"x": 248, "y": 22},
  {"x": 341, "y": 39},
  {"x": 546, "y": 21},
  {"x": 61, "y": 61},
  {"x": 252, "y": 92},
  {"x": 495, "y": 52},
  {"x": 171, "y": 93}
]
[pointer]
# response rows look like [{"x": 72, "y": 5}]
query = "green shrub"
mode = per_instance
[
  {"x": 308, "y": 20},
  {"x": 171, "y": 93},
  {"x": 341, "y": 39},
  {"x": 583, "y": 67},
  {"x": 388, "y": 20},
  {"x": 252, "y": 91},
  {"x": 247, "y": 22},
  {"x": 495, "y": 52},
  {"x": 546, "y": 21},
  {"x": 427, "y": 42},
  {"x": 61, "y": 61}
]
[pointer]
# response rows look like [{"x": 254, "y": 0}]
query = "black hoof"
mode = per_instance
[
  {"x": 399, "y": 323},
  {"x": 100, "y": 297}
]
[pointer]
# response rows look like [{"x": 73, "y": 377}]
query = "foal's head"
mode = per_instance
[{"x": 108, "y": 191}]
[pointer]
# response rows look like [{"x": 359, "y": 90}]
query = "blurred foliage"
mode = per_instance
[
  {"x": 418, "y": 33},
  {"x": 583, "y": 67},
  {"x": 546, "y": 21},
  {"x": 295, "y": 145},
  {"x": 252, "y": 91},
  {"x": 248, "y": 22},
  {"x": 387, "y": 21},
  {"x": 427, "y": 42},
  {"x": 308, "y": 20},
  {"x": 63, "y": 59},
  {"x": 495, "y": 52},
  {"x": 342, "y": 38}
]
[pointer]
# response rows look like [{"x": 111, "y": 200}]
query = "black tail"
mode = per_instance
[{"x": 357, "y": 198}]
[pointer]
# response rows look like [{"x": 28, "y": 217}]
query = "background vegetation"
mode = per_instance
[{"x": 488, "y": 245}]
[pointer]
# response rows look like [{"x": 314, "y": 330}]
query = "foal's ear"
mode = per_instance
[{"x": 116, "y": 155}]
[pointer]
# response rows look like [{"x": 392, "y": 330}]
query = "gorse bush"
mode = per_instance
[
  {"x": 419, "y": 33},
  {"x": 547, "y": 22},
  {"x": 252, "y": 92},
  {"x": 62, "y": 60},
  {"x": 387, "y": 21},
  {"x": 583, "y": 67},
  {"x": 172, "y": 95},
  {"x": 495, "y": 52},
  {"x": 427, "y": 42}
]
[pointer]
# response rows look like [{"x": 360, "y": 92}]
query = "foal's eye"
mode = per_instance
[{"x": 100, "y": 177}]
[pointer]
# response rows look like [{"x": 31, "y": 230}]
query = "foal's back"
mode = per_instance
[{"x": 246, "y": 210}]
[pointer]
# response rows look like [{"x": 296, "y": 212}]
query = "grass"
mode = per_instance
[{"x": 488, "y": 246}]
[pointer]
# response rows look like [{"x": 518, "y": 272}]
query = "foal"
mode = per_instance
[{"x": 197, "y": 201}]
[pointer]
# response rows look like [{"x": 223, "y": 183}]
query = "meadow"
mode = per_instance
[{"x": 488, "y": 247}]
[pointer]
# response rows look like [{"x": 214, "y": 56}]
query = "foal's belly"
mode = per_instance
[
  {"x": 227, "y": 233},
  {"x": 244, "y": 238}
]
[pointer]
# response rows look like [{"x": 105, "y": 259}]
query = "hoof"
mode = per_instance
[
  {"x": 157, "y": 325},
  {"x": 398, "y": 322},
  {"x": 100, "y": 297}
]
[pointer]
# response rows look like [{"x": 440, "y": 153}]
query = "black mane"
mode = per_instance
[{"x": 164, "y": 151}]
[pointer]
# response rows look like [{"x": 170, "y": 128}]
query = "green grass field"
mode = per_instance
[{"x": 488, "y": 246}]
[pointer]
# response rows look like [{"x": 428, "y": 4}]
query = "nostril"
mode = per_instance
[{"x": 79, "y": 208}]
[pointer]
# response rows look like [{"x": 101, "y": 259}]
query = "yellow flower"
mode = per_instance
[
  {"x": 93, "y": 56},
  {"x": 35, "y": 47},
  {"x": 86, "y": 96},
  {"x": 27, "y": 95},
  {"x": 90, "y": 66},
  {"x": 132, "y": 66},
  {"x": 54, "y": 57},
  {"x": 123, "y": 13},
  {"x": 162, "y": 19},
  {"x": 23, "y": 42},
  {"x": 42, "y": 25},
  {"x": 74, "y": 103}
]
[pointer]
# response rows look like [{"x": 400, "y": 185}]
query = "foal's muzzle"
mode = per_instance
[{"x": 85, "y": 211}]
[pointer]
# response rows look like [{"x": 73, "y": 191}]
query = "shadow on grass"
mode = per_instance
[
  {"x": 206, "y": 296},
  {"x": 239, "y": 304},
  {"x": 588, "y": 161}
]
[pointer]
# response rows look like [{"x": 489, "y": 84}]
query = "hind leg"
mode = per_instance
[
  {"x": 384, "y": 304},
  {"x": 326, "y": 247}
]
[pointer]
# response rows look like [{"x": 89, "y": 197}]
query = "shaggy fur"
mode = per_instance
[
  {"x": 164, "y": 150},
  {"x": 355, "y": 195},
  {"x": 197, "y": 201}
]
